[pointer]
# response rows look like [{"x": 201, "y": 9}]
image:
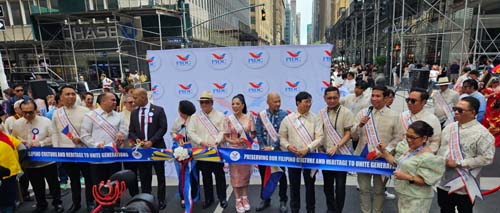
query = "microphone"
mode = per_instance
[{"x": 370, "y": 109}]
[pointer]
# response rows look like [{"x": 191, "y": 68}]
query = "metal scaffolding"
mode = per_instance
[{"x": 426, "y": 31}]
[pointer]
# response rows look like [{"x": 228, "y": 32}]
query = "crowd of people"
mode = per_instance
[{"x": 427, "y": 145}]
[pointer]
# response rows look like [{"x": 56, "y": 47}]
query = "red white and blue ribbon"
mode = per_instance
[
  {"x": 35, "y": 132},
  {"x": 466, "y": 178}
]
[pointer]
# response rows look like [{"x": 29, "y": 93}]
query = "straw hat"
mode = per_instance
[
  {"x": 443, "y": 81},
  {"x": 206, "y": 96}
]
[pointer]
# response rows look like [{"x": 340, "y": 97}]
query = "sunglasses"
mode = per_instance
[
  {"x": 19, "y": 90},
  {"x": 129, "y": 102},
  {"x": 204, "y": 102},
  {"x": 412, "y": 137},
  {"x": 459, "y": 110},
  {"x": 411, "y": 100},
  {"x": 28, "y": 112}
]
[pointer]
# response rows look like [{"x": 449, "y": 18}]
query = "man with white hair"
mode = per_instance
[{"x": 9, "y": 122}]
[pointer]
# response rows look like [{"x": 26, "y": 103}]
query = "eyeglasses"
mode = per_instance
[
  {"x": 411, "y": 100},
  {"x": 28, "y": 112},
  {"x": 412, "y": 137},
  {"x": 459, "y": 110}
]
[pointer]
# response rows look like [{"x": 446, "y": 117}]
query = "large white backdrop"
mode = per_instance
[{"x": 182, "y": 74}]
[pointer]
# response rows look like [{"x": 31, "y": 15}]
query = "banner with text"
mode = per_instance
[{"x": 347, "y": 163}]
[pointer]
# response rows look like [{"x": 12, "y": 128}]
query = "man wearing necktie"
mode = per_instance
[{"x": 148, "y": 125}]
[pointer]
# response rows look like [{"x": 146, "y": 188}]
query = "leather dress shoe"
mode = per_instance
[
  {"x": 207, "y": 204},
  {"x": 263, "y": 205},
  {"x": 162, "y": 205},
  {"x": 74, "y": 208},
  {"x": 223, "y": 204},
  {"x": 59, "y": 208},
  {"x": 283, "y": 206}
]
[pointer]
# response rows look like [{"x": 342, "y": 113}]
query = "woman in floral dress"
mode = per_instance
[
  {"x": 417, "y": 169},
  {"x": 239, "y": 129}
]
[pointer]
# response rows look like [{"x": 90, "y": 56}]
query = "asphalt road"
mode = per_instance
[{"x": 490, "y": 178}]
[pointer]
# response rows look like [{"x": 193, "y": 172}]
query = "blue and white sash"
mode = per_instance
[
  {"x": 304, "y": 135},
  {"x": 371, "y": 133},
  {"x": 268, "y": 126},
  {"x": 407, "y": 156},
  {"x": 441, "y": 103},
  {"x": 213, "y": 131},
  {"x": 103, "y": 124},
  {"x": 331, "y": 133},
  {"x": 63, "y": 119},
  {"x": 405, "y": 119},
  {"x": 466, "y": 178}
]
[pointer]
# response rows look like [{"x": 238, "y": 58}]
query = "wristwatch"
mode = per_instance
[{"x": 459, "y": 163}]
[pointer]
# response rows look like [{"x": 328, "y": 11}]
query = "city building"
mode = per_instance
[
  {"x": 68, "y": 38},
  {"x": 269, "y": 31},
  {"x": 309, "y": 34},
  {"x": 435, "y": 32}
]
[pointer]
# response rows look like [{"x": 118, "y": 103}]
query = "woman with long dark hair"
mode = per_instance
[{"x": 239, "y": 131}]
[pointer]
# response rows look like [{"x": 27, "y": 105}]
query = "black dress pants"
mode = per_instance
[
  {"x": 294, "y": 177},
  {"x": 146, "y": 174},
  {"x": 207, "y": 168},
  {"x": 335, "y": 196},
  {"x": 74, "y": 171},
  {"x": 447, "y": 202},
  {"x": 102, "y": 172},
  {"x": 283, "y": 184},
  {"x": 37, "y": 177}
]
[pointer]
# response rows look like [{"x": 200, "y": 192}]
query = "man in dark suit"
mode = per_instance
[{"x": 148, "y": 124}]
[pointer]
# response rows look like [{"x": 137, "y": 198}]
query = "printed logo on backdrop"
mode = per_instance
[
  {"x": 220, "y": 60},
  {"x": 326, "y": 58},
  {"x": 256, "y": 59},
  {"x": 221, "y": 89},
  {"x": 186, "y": 90},
  {"x": 324, "y": 84},
  {"x": 292, "y": 87},
  {"x": 184, "y": 60},
  {"x": 157, "y": 90},
  {"x": 294, "y": 57},
  {"x": 154, "y": 62},
  {"x": 256, "y": 88}
]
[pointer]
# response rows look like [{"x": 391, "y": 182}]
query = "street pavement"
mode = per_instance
[{"x": 490, "y": 179}]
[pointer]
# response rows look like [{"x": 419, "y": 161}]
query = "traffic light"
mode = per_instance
[{"x": 263, "y": 14}]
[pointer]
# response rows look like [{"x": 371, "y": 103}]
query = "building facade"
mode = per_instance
[{"x": 72, "y": 38}]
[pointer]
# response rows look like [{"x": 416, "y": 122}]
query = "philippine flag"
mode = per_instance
[
  {"x": 66, "y": 132},
  {"x": 272, "y": 176},
  {"x": 111, "y": 147},
  {"x": 369, "y": 155}
]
